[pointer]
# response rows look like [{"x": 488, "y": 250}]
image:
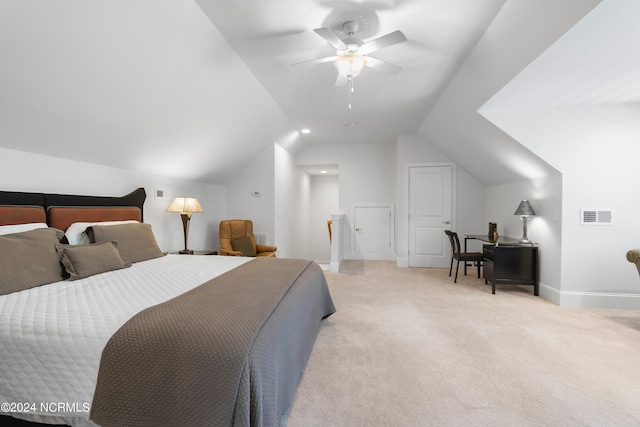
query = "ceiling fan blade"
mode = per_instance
[
  {"x": 262, "y": 36},
  {"x": 381, "y": 65},
  {"x": 334, "y": 40},
  {"x": 315, "y": 61},
  {"x": 341, "y": 80},
  {"x": 384, "y": 41}
]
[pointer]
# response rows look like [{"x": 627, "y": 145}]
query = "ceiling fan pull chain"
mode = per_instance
[{"x": 350, "y": 90}]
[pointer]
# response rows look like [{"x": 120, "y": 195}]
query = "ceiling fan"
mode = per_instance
[{"x": 352, "y": 54}]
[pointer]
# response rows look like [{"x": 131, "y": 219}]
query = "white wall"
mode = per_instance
[
  {"x": 544, "y": 229},
  {"x": 377, "y": 173},
  {"x": 20, "y": 171},
  {"x": 256, "y": 175},
  {"x": 596, "y": 149},
  {"x": 576, "y": 106},
  {"x": 367, "y": 175},
  {"x": 324, "y": 203},
  {"x": 562, "y": 110},
  {"x": 471, "y": 204},
  {"x": 292, "y": 206}
]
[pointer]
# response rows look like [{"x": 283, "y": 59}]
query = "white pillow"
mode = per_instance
[
  {"x": 19, "y": 228},
  {"x": 76, "y": 233}
]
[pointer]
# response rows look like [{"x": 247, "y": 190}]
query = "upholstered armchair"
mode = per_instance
[
  {"x": 237, "y": 239},
  {"x": 634, "y": 256}
]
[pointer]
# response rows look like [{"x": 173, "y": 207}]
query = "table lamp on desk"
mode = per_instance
[{"x": 525, "y": 211}]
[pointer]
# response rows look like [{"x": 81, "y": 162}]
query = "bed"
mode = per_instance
[{"x": 129, "y": 335}]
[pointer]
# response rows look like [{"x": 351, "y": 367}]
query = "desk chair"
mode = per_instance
[{"x": 461, "y": 256}]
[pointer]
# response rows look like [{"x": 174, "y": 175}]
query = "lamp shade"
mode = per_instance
[
  {"x": 350, "y": 65},
  {"x": 186, "y": 205},
  {"x": 524, "y": 208}
]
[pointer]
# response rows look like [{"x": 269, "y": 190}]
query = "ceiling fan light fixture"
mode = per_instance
[{"x": 350, "y": 65}]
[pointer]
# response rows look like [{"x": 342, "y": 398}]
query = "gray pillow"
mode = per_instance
[
  {"x": 244, "y": 245},
  {"x": 136, "y": 241},
  {"x": 29, "y": 259},
  {"x": 87, "y": 260}
]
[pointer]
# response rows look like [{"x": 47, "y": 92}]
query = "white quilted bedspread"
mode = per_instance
[{"x": 52, "y": 336}]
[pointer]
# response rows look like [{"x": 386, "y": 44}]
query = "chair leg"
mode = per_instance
[
  {"x": 450, "y": 267},
  {"x": 478, "y": 263},
  {"x": 456, "y": 278}
]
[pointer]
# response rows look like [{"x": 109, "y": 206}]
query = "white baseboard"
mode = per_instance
[
  {"x": 371, "y": 256},
  {"x": 590, "y": 299},
  {"x": 334, "y": 266},
  {"x": 549, "y": 293}
]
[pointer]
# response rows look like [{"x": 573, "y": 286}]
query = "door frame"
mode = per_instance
[
  {"x": 404, "y": 262},
  {"x": 390, "y": 254}
]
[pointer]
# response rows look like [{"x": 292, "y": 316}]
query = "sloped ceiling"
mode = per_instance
[
  {"x": 581, "y": 97},
  {"x": 191, "y": 88},
  {"x": 520, "y": 32},
  {"x": 148, "y": 85}
]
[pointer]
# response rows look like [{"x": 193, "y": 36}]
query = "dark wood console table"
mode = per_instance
[
  {"x": 508, "y": 262},
  {"x": 502, "y": 240}
]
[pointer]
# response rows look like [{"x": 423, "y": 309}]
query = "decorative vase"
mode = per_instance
[{"x": 492, "y": 230}]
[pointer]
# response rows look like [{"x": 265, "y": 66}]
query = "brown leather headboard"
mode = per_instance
[
  {"x": 46, "y": 200},
  {"x": 11, "y": 215},
  {"x": 61, "y": 217}
]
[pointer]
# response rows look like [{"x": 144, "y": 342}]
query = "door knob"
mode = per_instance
[
  {"x": 446, "y": 222},
  {"x": 358, "y": 229}
]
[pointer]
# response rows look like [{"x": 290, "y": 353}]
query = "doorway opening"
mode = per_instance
[{"x": 324, "y": 200}]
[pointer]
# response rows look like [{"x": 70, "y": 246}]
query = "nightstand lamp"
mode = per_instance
[
  {"x": 525, "y": 211},
  {"x": 185, "y": 206}
]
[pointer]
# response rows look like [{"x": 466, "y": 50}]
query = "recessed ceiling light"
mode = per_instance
[
  {"x": 305, "y": 131},
  {"x": 323, "y": 171}
]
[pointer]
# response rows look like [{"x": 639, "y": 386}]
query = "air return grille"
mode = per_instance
[{"x": 596, "y": 217}]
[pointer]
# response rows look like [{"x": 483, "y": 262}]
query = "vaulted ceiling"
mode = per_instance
[
  {"x": 270, "y": 36},
  {"x": 189, "y": 89}
]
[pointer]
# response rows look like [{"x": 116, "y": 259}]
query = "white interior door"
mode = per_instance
[
  {"x": 372, "y": 232},
  {"x": 430, "y": 213}
]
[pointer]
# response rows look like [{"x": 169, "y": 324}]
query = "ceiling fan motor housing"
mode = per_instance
[
  {"x": 352, "y": 43},
  {"x": 350, "y": 27}
]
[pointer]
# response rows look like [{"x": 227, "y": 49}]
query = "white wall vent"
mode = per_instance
[
  {"x": 596, "y": 217},
  {"x": 261, "y": 238}
]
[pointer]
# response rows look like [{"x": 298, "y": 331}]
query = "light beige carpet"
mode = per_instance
[{"x": 408, "y": 347}]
